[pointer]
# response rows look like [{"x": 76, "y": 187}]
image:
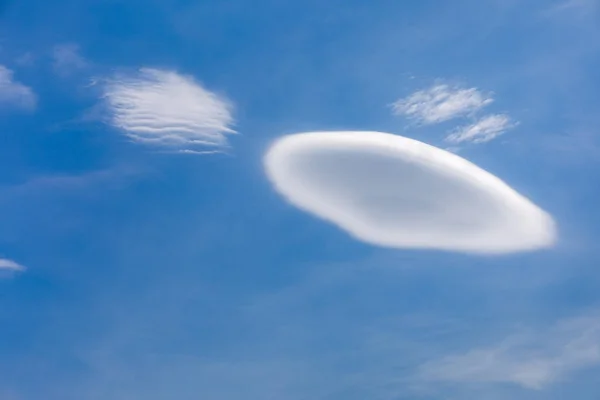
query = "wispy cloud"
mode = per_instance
[
  {"x": 15, "y": 93},
  {"x": 483, "y": 130},
  {"x": 67, "y": 59},
  {"x": 533, "y": 360},
  {"x": 26, "y": 59},
  {"x": 37, "y": 186},
  {"x": 441, "y": 103},
  {"x": 164, "y": 108},
  {"x": 6, "y": 264},
  {"x": 579, "y": 6}
]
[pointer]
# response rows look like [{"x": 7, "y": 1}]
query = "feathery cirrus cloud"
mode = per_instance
[
  {"x": 14, "y": 93},
  {"x": 392, "y": 191},
  {"x": 163, "y": 108},
  {"x": 485, "y": 129},
  {"x": 442, "y": 102}
]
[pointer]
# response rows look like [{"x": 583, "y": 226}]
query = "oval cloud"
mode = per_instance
[
  {"x": 164, "y": 108},
  {"x": 392, "y": 191}
]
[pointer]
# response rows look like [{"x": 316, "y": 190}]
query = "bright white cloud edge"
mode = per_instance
[
  {"x": 392, "y": 191},
  {"x": 10, "y": 265},
  {"x": 164, "y": 108}
]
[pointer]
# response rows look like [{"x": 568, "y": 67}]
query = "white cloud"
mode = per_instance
[
  {"x": 66, "y": 59},
  {"x": 532, "y": 360},
  {"x": 164, "y": 108},
  {"x": 484, "y": 130},
  {"x": 441, "y": 103},
  {"x": 397, "y": 192},
  {"x": 10, "y": 265},
  {"x": 13, "y": 92}
]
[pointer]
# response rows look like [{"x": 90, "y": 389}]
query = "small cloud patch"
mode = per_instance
[
  {"x": 14, "y": 93},
  {"x": 163, "y": 108},
  {"x": 485, "y": 129},
  {"x": 441, "y": 103},
  {"x": 67, "y": 59},
  {"x": 10, "y": 265}
]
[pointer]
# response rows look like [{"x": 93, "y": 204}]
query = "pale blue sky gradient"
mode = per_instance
[{"x": 158, "y": 275}]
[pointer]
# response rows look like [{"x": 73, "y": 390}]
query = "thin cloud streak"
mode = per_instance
[
  {"x": 532, "y": 360},
  {"x": 6, "y": 264},
  {"x": 441, "y": 103},
  {"x": 484, "y": 130},
  {"x": 580, "y": 6}
]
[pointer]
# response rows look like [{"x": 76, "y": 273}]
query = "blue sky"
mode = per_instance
[{"x": 145, "y": 269}]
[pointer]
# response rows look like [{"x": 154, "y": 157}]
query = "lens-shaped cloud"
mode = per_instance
[
  {"x": 392, "y": 191},
  {"x": 164, "y": 108}
]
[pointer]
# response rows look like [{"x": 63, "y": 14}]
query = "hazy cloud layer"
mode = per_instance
[
  {"x": 67, "y": 59},
  {"x": 484, "y": 130},
  {"x": 581, "y": 6},
  {"x": 533, "y": 360},
  {"x": 441, "y": 103},
  {"x": 393, "y": 191},
  {"x": 14, "y": 93},
  {"x": 164, "y": 108}
]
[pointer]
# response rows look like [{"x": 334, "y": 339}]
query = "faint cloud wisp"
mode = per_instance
[
  {"x": 483, "y": 130},
  {"x": 532, "y": 360},
  {"x": 441, "y": 103},
  {"x": 67, "y": 59},
  {"x": 14, "y": 93},
  {"x": 6, "y": 264}
]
